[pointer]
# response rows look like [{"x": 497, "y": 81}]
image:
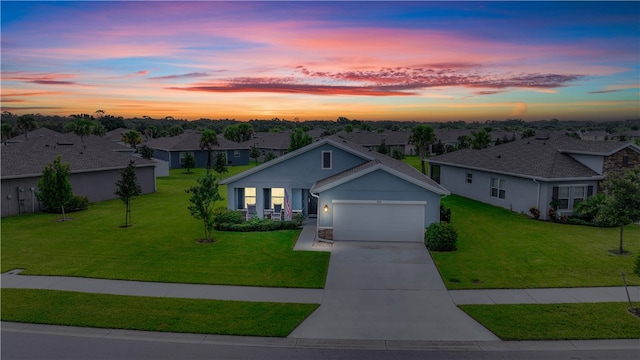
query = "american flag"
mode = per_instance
[{"x": 287, "y": 205}]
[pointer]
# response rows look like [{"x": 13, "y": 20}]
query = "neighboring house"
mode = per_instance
[
  {"x": 276, "y": 143},
  {"x": 95, "y": 168},
  {"x": 531, "y": 172},
  {"x": 371, "y": 140},
  {"x": 595, "y": 135},
  {"x": 355, "y": 194},
  {"x": 115, "y": 135},
  {"x": 173, "y": 148},
  {"x": 42, "y": 132}
]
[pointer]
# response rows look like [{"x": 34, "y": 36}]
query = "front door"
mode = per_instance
[{"x": 312, "y": 206}]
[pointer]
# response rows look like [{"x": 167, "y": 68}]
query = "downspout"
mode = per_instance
[
  {"x": 318, "y": 215},
  {"x": 538, "y": 196},
  {"x": 33, "y": 200}
]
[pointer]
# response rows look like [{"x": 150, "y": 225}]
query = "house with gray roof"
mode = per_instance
[
  {"x": 356, "y": 194},
  {"x": 173, "y": 148},
  {"x": 371, "y": 140},
  {"x": 531, "y": 172},
  {"x": 95, "y": 167}
]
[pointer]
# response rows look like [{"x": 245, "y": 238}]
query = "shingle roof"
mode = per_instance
[
  {"x": 190, "y": 141},
  {"x": 544, "y": 158},
  {"x": 28, "y": 158},
  {"x": 374, "y": 138},
  {"x": 382, "y": 161}
]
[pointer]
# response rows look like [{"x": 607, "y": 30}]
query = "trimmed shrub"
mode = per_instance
[
  {"x": 445, "y": 214},
  {"x": 222, "y": 215},
  {"x": 257, "y": 225},
  {"x": 76, "y": 203},
  {"x": 441, "y": 237}
]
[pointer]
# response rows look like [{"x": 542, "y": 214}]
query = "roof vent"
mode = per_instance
[
  {"x": 499, "y": 156},
  {"x": 64, "y": 143},
  {"x": 542, "y": 137}
]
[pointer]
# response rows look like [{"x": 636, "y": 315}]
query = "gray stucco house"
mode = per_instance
[
  {"x": 533, "y": 171},
  {"x": 355, "y": 194},
  {"x": 95, "y": 168},
  {"x": 173, "y": 148}
]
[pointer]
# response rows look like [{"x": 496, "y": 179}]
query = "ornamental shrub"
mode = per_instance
[
  {"x": 535, "y": 212},
  {"x": 76, "y": 203},
  {"x": 222, "y": 215},
  {"x": 636, "y": 268},
  {"x": 441, "y": 237},
  {"x": 445, "y": 214}
]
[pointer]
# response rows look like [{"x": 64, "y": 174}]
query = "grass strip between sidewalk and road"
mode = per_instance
[
  {"x": 581, "y": 321},
  {"x": 54, "y": 307}
]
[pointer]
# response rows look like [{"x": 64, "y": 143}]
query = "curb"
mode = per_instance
[{"x": 300, "y": 343}]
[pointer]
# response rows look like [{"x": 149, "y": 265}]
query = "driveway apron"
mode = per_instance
[{"x": 387, "y": 291}]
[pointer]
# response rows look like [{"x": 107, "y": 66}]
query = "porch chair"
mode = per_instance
[
  {"x": 251, "y": 211},
  {"x": 277, "y": 212}
]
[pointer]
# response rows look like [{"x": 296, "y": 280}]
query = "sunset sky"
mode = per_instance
[{"x": 424, "y": 61}]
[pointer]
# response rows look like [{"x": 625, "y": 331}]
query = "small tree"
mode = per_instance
[
  {"x": 127, "y": 188},
  {"x": 188, "y": 162},
  {"x": 270, "y": 156},
  {"x": 26, "y": 123},
  {"x": 54, "y": 186},
  {"x": 382, "y": 148},
  {"x": 146, "y": 152},
  {"x": 254, "y": 153},
  {"x": 220, "y": 165},
  {"x": 622, "y": 204},
  {"x": 299, "y": 139},
  {"x": 203, "y": 198},
  {"x": 422, "y": 136}
]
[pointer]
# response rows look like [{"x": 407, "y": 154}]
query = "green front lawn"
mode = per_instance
[
  {"x": 152, "y": 314},
  {"x": 498, "y": 248},
  {"x": 557, "y": 321},
  {"x": 161, "y": 246}
]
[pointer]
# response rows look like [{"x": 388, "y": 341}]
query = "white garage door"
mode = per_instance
[{"x": 378, "y": 220}]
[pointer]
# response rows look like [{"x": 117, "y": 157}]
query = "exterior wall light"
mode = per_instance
[{"x": 326, "y": 208}]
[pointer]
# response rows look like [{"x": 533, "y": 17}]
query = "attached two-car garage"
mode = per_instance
[{"x": 378, "y": 220}]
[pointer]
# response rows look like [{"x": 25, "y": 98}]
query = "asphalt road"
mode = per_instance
[{"x": 17, "y": 345}]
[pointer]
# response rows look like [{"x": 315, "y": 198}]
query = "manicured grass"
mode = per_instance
[
  {"x": 498, "y": 248},
  {"x": 160, "y": 246},
  {"x": 152, "y": 314},
  {"x": 558, "y": 321}
]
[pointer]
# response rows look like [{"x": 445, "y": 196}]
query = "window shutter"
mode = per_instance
[
  {"x": 267, "y": 198},
  {"x": 240, "y": 198},
  {"x": 589, "y": 191},
  {"x": 555, "y": 192}
]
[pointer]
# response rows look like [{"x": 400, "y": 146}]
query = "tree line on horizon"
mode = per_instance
[{"x": 13, "y": 125}]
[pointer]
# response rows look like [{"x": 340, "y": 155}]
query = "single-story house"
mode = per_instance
[
  {"x": 95, "y": 168},
  {"x": 173, "y": 148},
  {"x": 531, "y": 172},
  {"x": 356, "y": 194},
  {"x": 371, "y": 140}
]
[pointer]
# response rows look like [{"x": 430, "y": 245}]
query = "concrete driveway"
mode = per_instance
[{"x": 387, "y": 291}]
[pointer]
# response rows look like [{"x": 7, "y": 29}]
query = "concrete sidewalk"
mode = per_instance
[{"x": 545, "y": 296}]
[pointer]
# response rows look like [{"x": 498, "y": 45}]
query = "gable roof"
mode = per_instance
[
  {"x": 538, "y": 158},
  {"x": 190, "y": 141},
  {"x": 373, "y": 161},
  {"x": 28, "y": 159}
]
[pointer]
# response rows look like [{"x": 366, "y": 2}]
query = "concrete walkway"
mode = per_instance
[{"x": 374, "y": 292}]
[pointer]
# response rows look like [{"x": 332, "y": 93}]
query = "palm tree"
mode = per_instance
[
  {"x": 26, "y": 123},
  {"x": 422, "y": 137},
  {"x": 131, "y": 138},
  {"x": 481, "y": 139},
  {"x": 208, "y": 140},
  {"x": 7, "y": 132},
  {"x": 85, "y": 127}
]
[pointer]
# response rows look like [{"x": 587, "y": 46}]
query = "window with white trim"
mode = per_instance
[
  {"x": 249, "y": 196},
  {"x": 570, "y": 196},
  {"x": 498, "y": 188},
  {"x": 277, "y": 196},
  {"x": 326, "y": 160}
]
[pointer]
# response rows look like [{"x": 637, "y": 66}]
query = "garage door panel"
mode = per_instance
[{"x": 373, "y": 221}]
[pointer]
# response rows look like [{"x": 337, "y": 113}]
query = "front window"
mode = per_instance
[
  {"x": 469, "y": 178},
  {"x": 578, "y": 195},
  {"x": 498, "y": 188},
  {"x": 249, "y": 196},
  {"x": 570, "y": 196},
  {"x": 277, "y": 196},
  {"x": 564, "y": 195}
]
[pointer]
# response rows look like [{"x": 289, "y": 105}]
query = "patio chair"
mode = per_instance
[
  {"x": 277, "y": 212},
  {"x": 251, "y": 211}
]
